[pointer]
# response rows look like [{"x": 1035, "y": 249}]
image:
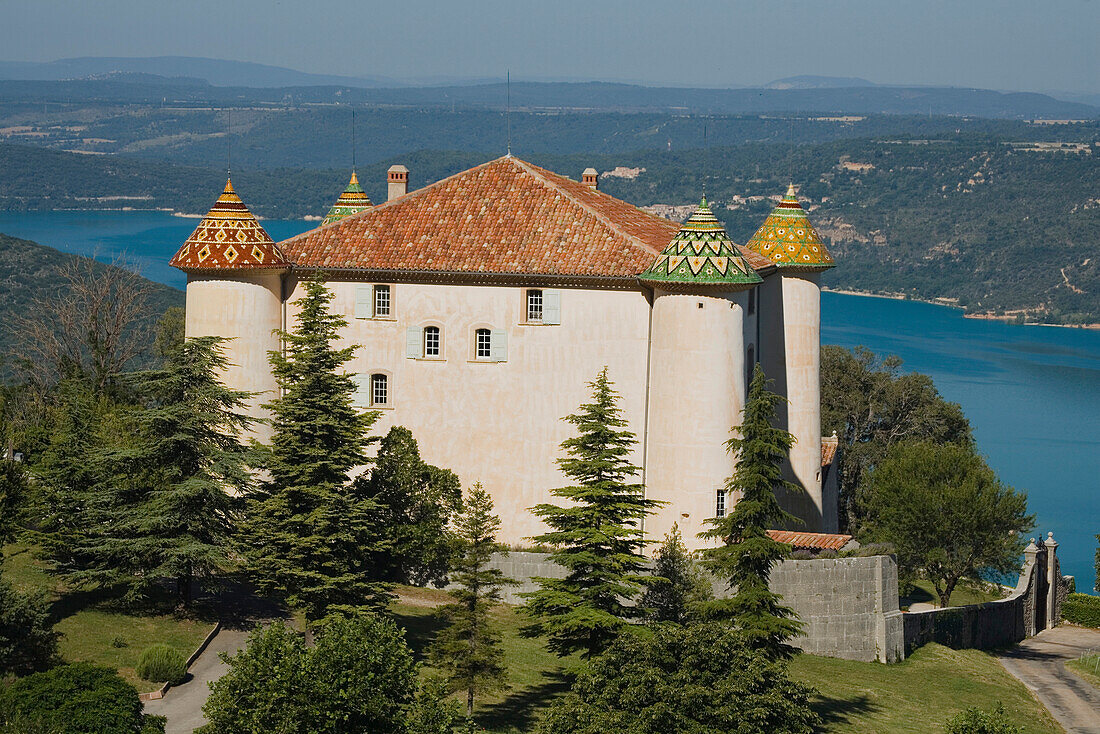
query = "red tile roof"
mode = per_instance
[
  {"x": 829, "y": 446},
  {"x": 811, "y": 541},
  {"x": 506, "y": 216}
]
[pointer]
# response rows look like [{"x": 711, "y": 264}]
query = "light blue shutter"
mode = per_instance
[
  {"x": 362, "y": 390},
  {"x": 498, "y": 345},
  {"x": 551, "y": 307},
  {"x": 413, "y": 346},
  {"x": 364, "y": 301}
]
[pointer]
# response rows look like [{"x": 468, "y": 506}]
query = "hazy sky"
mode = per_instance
[{"x": 999, "y": 44}]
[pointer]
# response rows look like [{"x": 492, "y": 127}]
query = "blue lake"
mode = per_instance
[{"x": 1032, "y": 393}]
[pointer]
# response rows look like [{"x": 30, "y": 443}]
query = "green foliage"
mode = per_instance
[
  {"x": 13, "y": 497},
  {"x": 28, "y": 642},
  {"x": 946, "y": 513},
  {"x": 1082, "y": 609},
  {"x": 468, "y": 649},
  {"x": 359, "y": 677},
  {"x": 595, "y": 535},
  {"x": 748, "y": 553},
  {"x": 872, "y": 406},
  {"x": 678, "y": 586},
  {"x": 79, "y": 699},
  {"x": 176, "y": 516},
  {"x": 431, "y": 712},
  {"x": 699, "y": 679},
  {"x": 170, "y": 333},
  {"x": 976, "y": 721},
  {"x": 415, "y": 502},
  {"x": 311, "y": 532},
  {"x": 162, "y": 663}
]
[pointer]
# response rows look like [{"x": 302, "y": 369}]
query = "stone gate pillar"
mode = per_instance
[{"x": 1052, "y": 579}]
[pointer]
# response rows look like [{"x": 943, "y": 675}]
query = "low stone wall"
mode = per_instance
[{"x": 849, "y": 606}]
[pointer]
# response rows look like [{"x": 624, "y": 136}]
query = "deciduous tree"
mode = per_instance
[
  {"x": 596, "y": 535},
  {"x": 28, "y": 641},
  {"x": 747, "y": 552},
  {"x": 947, "y": 514}
]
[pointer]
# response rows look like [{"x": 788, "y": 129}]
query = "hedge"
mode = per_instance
[{"x": 1082, "y": 609}]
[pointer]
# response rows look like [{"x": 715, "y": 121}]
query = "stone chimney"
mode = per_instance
[
  {"x": 590, "y": 178},
  {"x": 398, "y": 179}
]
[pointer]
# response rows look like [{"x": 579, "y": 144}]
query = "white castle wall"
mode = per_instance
[
  {"x": 246, "y": 310},
  {"x": 697, "y": 393},
  {"x": 499, "y": 423}
]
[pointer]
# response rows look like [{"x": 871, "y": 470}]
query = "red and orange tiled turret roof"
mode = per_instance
[
  {"x": 229, "y": 238},
  {"x": 788, "y": 239}
]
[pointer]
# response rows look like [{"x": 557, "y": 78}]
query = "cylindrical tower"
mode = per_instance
[
  {"x": 234, "y": 290},
  {"x": 791, "y": 348},
  {"x": 697, "y": 374}
]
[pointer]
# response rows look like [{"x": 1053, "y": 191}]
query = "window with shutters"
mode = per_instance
[
  {"x": 379, "y": 390},
  {"x": 720, "y": 503},
  {"x": 541, "y": 306},
  {"x": 381, "y": 301},
  {"x": 483, "y": 346},
  {"x": 534, "y": 306},
  {"x": 431, "y": 341}
]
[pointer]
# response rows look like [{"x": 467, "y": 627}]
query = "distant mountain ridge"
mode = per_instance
[{"x": 818, "y": 82}]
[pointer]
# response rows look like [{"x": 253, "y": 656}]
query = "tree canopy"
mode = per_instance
[{"x": 678, "y": 587}]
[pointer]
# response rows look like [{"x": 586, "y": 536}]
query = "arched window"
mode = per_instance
[
  {"x": 379, "y": 389},
  {"x": 483, "y": 347},
  {"x": 431, "y": 341}
]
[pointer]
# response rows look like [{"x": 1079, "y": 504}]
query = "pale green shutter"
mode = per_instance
[
  {"x": 551, "y": 307},
  {"x": 413, "y": 345},
  {"x": 498, "y": 345},
  {"x": 364, "y": 301},
  {"x": 362, "y": 390}
]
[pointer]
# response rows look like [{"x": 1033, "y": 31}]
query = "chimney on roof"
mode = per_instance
[
  {"x": 591, "y": 178},
  {"x": 398, "y": 179}
]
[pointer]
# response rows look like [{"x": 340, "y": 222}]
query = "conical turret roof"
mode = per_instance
[
  {"x": 789, "y": 240},
  {"x": 352, "y": 201},
  {"x": 701, "y": 254},
  {"x": 229, "y": 238}
]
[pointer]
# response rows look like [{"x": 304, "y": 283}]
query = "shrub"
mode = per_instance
[
  {"x": 1082, "y": 609},
  {"x": 78, "y": 699},
  {"x": 162, "y": 663},
  {"x": 976, "y": 721},
  {"x": 28, "y": 642}
]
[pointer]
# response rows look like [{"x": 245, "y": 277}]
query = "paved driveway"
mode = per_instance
[{"x": 1040, "y": 662}]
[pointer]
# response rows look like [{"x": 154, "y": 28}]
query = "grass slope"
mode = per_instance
[
  {"x": 1087, "y": 667},
  {"x": 96, "y": 632}
]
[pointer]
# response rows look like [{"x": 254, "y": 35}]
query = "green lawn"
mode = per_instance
[
  {"x": 1087, "y": 667},
  {"x": 93, "y": 629},
  {"x": 967, "y": 592}
]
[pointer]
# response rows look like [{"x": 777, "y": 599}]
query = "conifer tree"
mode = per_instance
[
  {"x": 747, "y": 552},
  {"x": 678, "y": 587},
  {"x": 596, "y": 535},
  {"x": 468, "y": 649},
  {"x": 311, "y": 531},
  {"x": 184, "y": 472}
]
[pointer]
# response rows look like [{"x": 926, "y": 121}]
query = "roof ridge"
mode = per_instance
[{"x": 603, "y": 218}]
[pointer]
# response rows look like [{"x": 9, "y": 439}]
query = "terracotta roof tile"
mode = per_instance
[
  {"x": 829, "y": 445},
  {"x": 228, "y": 238},
  {"x": 504, "y": 216},
  {"x": 810, "y": 541}
]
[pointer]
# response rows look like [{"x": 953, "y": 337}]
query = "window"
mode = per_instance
[
  {"x": 720, "y": 503},
  {"x": 752, "y": 301},
  {"x": 534, "y": 306},
  {"x": 750, "y": 365},
  {"x": 431, "y": 341},
  {"x": 379, "y": 390},
  {"x": 381, "y": 301},
  {"x": 484, "y": 344}
]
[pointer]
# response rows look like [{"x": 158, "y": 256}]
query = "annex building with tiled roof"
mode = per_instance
[{"x": 483, "y": 304}]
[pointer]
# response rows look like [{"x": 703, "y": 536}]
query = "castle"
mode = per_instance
[{"x": 485, "y": 302}]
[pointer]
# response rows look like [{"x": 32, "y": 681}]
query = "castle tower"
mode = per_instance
[
  {"x": 790, "y": 353},
  {"x": 234, "y": 290},
  {"x": 697, "y": 372},
  {"x": 352, "y": 201}
]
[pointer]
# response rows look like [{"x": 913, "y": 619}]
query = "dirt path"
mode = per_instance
[{"x": 1040, "y": 663}]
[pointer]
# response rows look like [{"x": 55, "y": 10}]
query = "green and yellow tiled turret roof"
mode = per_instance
[
  {"x": 789, "y": 240},
  {"x": 352, "y": 201},
  {"x": 701, "y": 254}
]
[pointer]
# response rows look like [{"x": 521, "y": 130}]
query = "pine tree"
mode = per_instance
[
  {"x": 311, "y": 531},
  {"x": 748, "y": 552},
  {"x": 468, "y": 649},
  {"x": 678, "y": 587},
  {"x": 185, "y": 471},
  {"x": 597, "y": 534}
]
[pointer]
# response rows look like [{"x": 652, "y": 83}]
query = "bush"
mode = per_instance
[
  {"x": 28, "y": 643},
  {"x": 162, "y": 663},
  {"x": 78, "y": 699},
  {"x": 1082, "y": 609},
  {"x": 976, "y": 721}
]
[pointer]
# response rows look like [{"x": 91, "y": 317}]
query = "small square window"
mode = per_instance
[
  {"x": 534, "y": 306},
  {"x": 379, "y": 390},
  {"x": 381, "y": 300},
  {"x": 720, "y": 503},
  {"x": 484, "y": 344},
  {"x": 431, "y": 341}
]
